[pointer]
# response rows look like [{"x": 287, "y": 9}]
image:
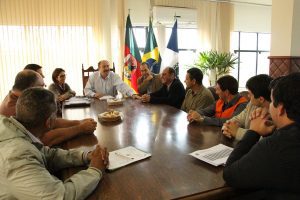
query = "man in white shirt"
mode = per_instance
[{"x": 105, "y": 82}]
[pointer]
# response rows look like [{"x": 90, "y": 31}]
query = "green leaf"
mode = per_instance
[{"x": 221, "y": 62}]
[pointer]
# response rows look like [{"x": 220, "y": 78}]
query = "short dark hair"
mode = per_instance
[
  {"x": 147, "y": 64},
  {"x": 196, "y": 73},
  {"x": 259, "y": 86},
  {"x": 286, "y": 91},
  {"x": 35, "y": 106},
  {"x": 33, "y": 67},
  {"x": 25, "y": 79},
  {"x": 56, "y": 73},
  {"x": 228, "y": 83},
  {"x": 274, "y": 82}
]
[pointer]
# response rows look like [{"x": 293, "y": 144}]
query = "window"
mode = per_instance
[
  {"x": 252, "y": 50},
  {"x": 140, "y": 33},
  {"x": 186, "y": 45}
]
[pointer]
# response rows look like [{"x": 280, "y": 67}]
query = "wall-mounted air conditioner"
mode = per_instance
[{"x": 165, "y": 15}]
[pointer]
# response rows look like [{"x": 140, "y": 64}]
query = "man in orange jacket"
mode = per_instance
[{"x": 230, "y": 103}]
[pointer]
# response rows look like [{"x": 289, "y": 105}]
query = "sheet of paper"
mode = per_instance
[
  {"x": 74, "y": 101},
  {"x": 106, "y": 97},
  {"x": 125, "y": 156},
  {"x": 216, "y": 155}
]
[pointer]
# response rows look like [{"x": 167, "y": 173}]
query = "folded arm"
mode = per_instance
[{"x": 67, "y": 129}]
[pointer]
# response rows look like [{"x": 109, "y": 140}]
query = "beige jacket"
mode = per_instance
[
  {"x": 243, "y": 120},
  {"x": 26, "y": 166},
  {"x": 153, "y": 85}
]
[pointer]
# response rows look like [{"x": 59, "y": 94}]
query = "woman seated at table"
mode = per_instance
[{"x": 60, "y": 88}]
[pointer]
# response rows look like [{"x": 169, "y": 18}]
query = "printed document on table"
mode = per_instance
[
  {"x": 106, "y": 97},
  {"x": 216, "y": 155},
  {"x": 125, "y": 156},
  {"x": 77, "y": 102}
]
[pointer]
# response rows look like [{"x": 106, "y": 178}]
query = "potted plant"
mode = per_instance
[{"x": 215, "y": 64}]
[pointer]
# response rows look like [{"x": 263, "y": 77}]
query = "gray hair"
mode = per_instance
[{"x": 35, "y": 106}]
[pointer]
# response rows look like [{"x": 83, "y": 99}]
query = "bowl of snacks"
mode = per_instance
[{"x": 110, "y": 116}]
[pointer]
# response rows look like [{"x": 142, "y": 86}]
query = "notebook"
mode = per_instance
[
  {"x": 125, "y": 156},
  {"x": 77, "y": 102},
  {"x": 216, "y": 155}
]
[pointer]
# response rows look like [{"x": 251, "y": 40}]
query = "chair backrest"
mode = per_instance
[
  {"x": 245, "y": 94},
  {"x": 113, "y": 69},
  {"x": 213, "y": 92},
  {"x": 86, "y": 74}
]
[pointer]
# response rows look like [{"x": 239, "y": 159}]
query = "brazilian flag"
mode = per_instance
[{"x": 151, "y": 54}]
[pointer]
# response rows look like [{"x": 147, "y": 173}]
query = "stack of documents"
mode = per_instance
[
  {"x": 106, "y": 97},
  {"x": 216, "y": 155},
  {"x": 125, "y": 156},
  {"x": 77, "y": 102}
]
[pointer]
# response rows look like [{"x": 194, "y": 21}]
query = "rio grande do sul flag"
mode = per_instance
[{"x": 132, "y": 57}]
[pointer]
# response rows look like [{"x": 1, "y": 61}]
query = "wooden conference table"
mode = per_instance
[{"x": 163, "y": 131}]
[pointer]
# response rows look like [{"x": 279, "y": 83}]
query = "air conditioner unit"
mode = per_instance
[{"x": 165, "y": 15}]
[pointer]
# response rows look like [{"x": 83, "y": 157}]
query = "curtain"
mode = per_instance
[
  {"x": 59, "y": 33},
  {"x": 214, "y": 21}
]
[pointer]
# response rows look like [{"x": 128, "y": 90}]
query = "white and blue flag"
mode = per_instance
[{"x": 171, "y": 52}]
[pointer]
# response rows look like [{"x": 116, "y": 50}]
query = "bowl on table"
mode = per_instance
[{"x": 110, "y": 116}]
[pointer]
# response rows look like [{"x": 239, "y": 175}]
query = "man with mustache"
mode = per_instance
[{"x": 104, "y": 82}]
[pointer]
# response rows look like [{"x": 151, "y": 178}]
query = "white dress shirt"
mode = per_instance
[{"x": 108, "y": 86}]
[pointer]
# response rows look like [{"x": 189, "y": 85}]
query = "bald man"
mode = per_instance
[
  {"x": 105, "y": 82},
  {"x": 24, "y": 79},
  {"x": 63, "y": 129}
]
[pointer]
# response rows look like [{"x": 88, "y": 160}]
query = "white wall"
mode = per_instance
[
  {"x": 295, "y": 50},
  {"x": 282, "y": 27},
  {"x": 252, "y": 18},
  {"x": 139, "y": 11}
]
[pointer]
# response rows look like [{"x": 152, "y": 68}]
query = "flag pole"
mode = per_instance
[
  {"x": 176, "y": 16},
  {"x": 151, "y": 14}
]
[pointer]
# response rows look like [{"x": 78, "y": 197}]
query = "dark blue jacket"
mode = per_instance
[{"x": 173, "y": 97}]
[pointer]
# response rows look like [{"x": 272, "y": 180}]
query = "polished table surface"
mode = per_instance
[{"x": 163, "y": 131}]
